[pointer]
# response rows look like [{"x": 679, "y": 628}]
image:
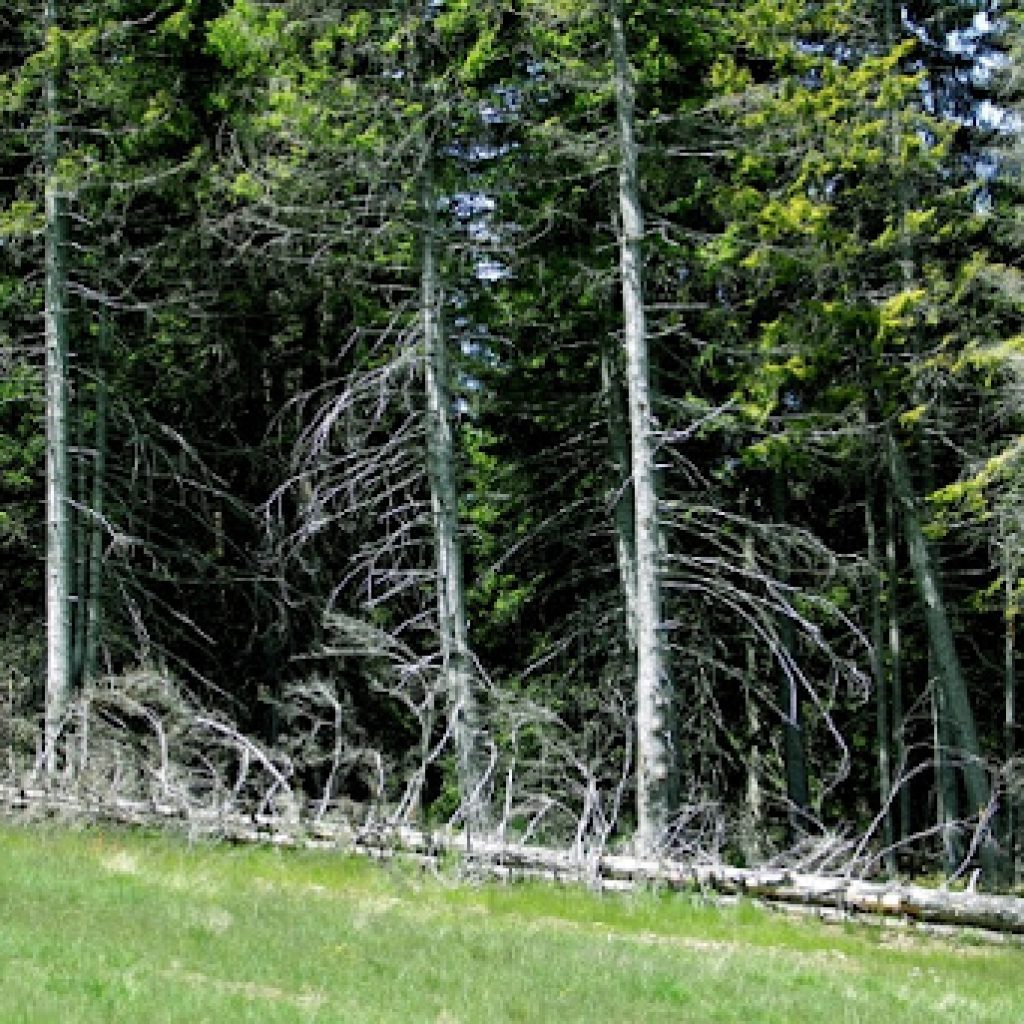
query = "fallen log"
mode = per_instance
[{"x": 834, "y": 897}]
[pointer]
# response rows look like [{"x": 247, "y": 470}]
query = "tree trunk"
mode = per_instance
[
  {"x": 901, "y": 824},
  {"x": 654, "y": 694},
  {"x": 1010, "y": 705},
  {"x": 947, "y": 801},
  {"x": 94, "y": 613},
  {"x": 79, "y": 548},
  {"x": 878, "y": 672},
  {"x": 58, "y": 538},
  {"x": 622, "y": 487},
  {"x": 950, "y": 679},
  {"x": 451, "y": 605},
  {"x": 752, "y": 828},
  {"x": 794, "y": 753},
  {"x": 946, "y": 795}
]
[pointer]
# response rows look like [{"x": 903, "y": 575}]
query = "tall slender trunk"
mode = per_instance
[
  {"x": 79, "y": 548},
  {"x": 794, "y": 752},
  {"x": 901, "y": 824},
  {"x": 654, "y": 694},
  {"x": 1010, "y": 702},
  {"x": 753, "y": 799},
  {"x": 94, "y": 611},
  {"x": 444, "y": 500},
  {"x": 878, "y": 672},
  {"x": 753, "y": 802},
  {"x": 58, "y": 538},
  {"x": 950, "y": 679},
  {"x": 622, "y": 487},
  {"x": 947, "y": 803},
  {"x": 953, "y": 721}
]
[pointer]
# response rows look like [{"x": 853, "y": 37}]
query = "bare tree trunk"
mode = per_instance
[
  {"x": 878, "y": 672},
  {"x": 752, "y": 828},
  {"x": 1010, "y": 703},
  {"x": 794, "y": 753},
  {"x": 901, "y": 825},
  {"x": 654, "y": 693},
  {"x": 947, "y": 800},
  {"x": 753, "y": 800},
  {"x": 79, "y": 549},
  {"x": 444, "y": 498},
  {"x": 58, "y": 555},
  {"x": 94, "y": 613},
  {"x": 950, "y": 679},
  {"x": 947, "y": 804},
  {"x": 622, "y": 493}
]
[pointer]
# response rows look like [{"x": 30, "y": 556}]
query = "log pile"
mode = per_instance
[{"x": 828, "y": 896}]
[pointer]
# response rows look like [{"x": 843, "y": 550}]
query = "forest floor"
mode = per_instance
[{"x": 119, "y": 926}]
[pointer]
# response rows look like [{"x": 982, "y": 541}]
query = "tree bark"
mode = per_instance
[
  {"x": 79, "y": 548},
  {"x": 622, "y": 487},
  {"x": 901, "y": 824},
  {"x": 794, "y": 753},
  {"x": 947, "y": 802},
  {"x": 752, "y": 829},
  {"x": 444, "y": 500},
  {"x": 1010, "y": 704},
  {"x": 58, "y": 538},
  {"x": 882, "y": 731},
  {"x": 94, "y": 612},
  {"x": 946, "y": 795},
  {"x": 949, "y": 673},
  {"x": 654, "y": 693}
]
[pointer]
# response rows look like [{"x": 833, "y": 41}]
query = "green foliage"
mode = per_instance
[
  {"x": 246, "y": 36},
  {"x": 22, "y": 218},
  {"x": 823, "y": 261}
]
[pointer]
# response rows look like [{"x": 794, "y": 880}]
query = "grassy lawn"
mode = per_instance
[{"x": 112, "y": 926}]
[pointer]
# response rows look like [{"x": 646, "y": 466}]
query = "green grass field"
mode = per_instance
[{"x": 114, "y": 926}]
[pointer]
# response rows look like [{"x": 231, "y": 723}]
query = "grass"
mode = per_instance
[{"x": 117, "y": 926}]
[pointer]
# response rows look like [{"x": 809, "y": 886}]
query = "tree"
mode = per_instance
[
  {"x": 58, "y": 484},
  {"x": 400, "y": 91},
  {"x": 654, "y": 696},
  {"x": 531, "y": 413}
]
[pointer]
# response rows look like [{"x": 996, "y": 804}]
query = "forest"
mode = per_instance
[{"x": 587, "y": 421}]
